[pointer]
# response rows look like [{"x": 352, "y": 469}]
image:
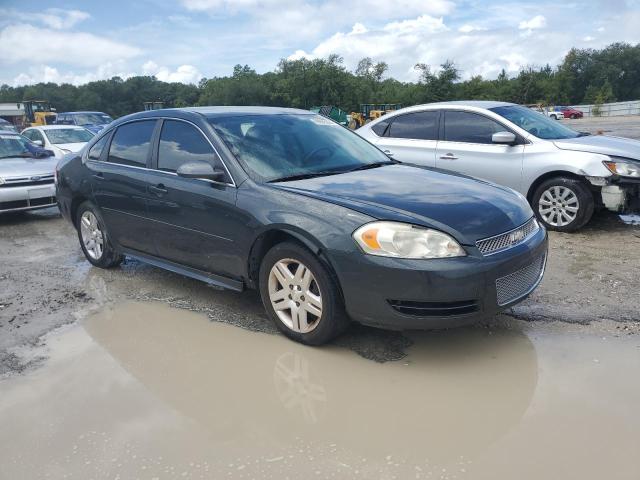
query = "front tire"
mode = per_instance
[
  {"x": 301, "y": 295},
  {"x": 563, "y": 204},
  {"x": 94, "y": 238}
]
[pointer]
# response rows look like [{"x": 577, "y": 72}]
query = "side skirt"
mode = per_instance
[{"x": 210, "y": 278}]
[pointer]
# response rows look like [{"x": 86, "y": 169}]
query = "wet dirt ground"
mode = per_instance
[
  {"x": 144, "y": 390},
  {"x": 140, "y": 373}
]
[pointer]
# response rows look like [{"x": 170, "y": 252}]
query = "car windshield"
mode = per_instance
[
  {"x": 92, "y": 119},
  {"x": 290, "y": 146},
  {"x": 12, "y": 146},
  {"x": 68, "y": 135},
  {"x": 538, "y": 125}
]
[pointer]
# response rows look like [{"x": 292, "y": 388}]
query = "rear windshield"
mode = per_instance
[
  {"x": 272, "y": 147},
  {"x": 68, "y": 135}
]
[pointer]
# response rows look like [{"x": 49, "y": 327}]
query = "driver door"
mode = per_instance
[{"x": 466, "y": 147}]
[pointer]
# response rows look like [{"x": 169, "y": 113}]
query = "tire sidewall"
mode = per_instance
[
  {"x": 109, "y": 256},
  {"x": 332, "y": 322},
  {"x": 581, "y": 191}
]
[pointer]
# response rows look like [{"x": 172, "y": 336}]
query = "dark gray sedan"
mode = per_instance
[{"x": 327, "y": 227}]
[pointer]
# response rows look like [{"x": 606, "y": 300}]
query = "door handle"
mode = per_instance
[
  {"x": 388, "y": 153},
  {"x": 158, "y": 189},
  {"x": 98, "y": 176},
  {"x": 448, "y": 156}
]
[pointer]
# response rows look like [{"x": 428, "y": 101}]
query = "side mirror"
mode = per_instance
[
  {"x": 202, "y": 170},
  {"x": 40, "y": 143},
  {"x": 505, "y": 138}
]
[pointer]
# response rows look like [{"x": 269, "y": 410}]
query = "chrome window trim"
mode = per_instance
[{"x": 85, "y": 155}]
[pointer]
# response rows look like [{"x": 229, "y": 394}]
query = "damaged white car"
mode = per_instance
[{"x": 564, "y": 174}]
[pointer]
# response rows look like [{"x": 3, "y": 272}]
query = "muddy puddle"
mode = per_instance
[{"x": 146, "y": 391}]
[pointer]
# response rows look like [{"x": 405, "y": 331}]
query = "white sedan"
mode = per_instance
[{"x": 60, "y": 139}]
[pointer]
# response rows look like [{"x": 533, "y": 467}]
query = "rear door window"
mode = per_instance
[
  {"x": 417, "y": 126},
  {"x": 181, "y": 143},
  {"x": 467, "y": 127},
  {"x": 131, "y": 142}
]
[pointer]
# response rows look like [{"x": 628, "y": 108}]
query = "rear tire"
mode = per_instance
[
  {"x": 563, "y": 204},
  {"x": 94, "y": 238},
  {"x": 301, "y": 295}
]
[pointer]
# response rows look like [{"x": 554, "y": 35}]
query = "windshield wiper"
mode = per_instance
[
  {"x": 584, "y": 134},
  {"x": 302, "y": 176},
  {"x": 21, "y": 155},
  {"x": 373, "y": 165}
]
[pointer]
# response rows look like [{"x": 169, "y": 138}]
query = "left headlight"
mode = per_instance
[
  {"x": 1, "y": 181},
  {"x": 623, "y": 167},
  {"x": 402, "y": 240}
]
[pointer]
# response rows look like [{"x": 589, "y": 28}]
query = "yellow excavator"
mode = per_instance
[
  {"x": 38, "y": 113},
  {"x": 369, "y": 112}
]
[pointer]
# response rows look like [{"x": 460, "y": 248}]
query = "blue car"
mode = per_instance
[
  {"x": 92, "y": 121},
  {"x": 323, "y": 224}
]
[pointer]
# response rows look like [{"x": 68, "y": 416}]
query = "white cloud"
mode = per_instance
[
  {"x": 588, "y": 38},
  {"x": 470, "y": 28},
  {"x": 60, "y": 19},
  {"x": 46, "y": 73},
  {"x": 51, "y": 46},
  {"x": 535, "y": 23},
  {"x": 183, "y": 74}
]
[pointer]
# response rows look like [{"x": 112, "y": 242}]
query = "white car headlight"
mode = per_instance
[
  {"x": 401, "y": 240},
  {"x": 1, "y": 181},
  {"x": 623, "y": 167}
]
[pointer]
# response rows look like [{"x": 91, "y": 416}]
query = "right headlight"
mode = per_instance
[
  {"x": 402, "y": 240},
  {"x": 623, "y": 167}
]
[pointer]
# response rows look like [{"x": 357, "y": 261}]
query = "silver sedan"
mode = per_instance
[
  {"x": 564, "y": 174},
  {"x": 26, "y": 175}
]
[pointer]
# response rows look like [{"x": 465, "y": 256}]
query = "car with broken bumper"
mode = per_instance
[
  {"x": 325, "y": 226},
  {"x": 564, "y": 174}
]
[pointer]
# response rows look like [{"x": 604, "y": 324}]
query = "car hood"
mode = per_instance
[
  {"x": 18, "y": 167},
  {"x": 72, "y": 147},
  {"x": 604, "y": 144},
  {"x": 467, "y": 208}
]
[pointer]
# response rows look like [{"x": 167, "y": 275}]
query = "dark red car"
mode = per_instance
[{"x": 570, "y": 112}]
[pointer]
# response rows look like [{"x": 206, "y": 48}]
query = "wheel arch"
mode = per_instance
[
  {"x": 73, "y": 210},
  {"x": 553, "y": 174},
  {"x": 279, "y": 234}
]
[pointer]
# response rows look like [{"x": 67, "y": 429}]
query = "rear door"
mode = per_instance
[
  {"x": 412, "y": 137},
  {"x": 120, "y": 177},
  {"x": 195, "y": 221},
  {"x": 466, "y": 147}
]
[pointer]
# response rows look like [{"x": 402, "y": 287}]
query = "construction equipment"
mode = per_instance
[
  {"x": 334, "y": 113},
  {"x": 38, "y": 113},
  {"x": 371, "y": 111},
  {"x": 153, "y": 106}
]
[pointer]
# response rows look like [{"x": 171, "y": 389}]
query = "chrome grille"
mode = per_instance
[
  {"x": 520, "y": 283},
  {"x": 499, "y": 243},
  {"x": 26, "y": 181}
]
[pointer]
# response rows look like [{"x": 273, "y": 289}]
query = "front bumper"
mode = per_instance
[
  {"x": 440, "y": 293},
  {"x": 31, "y": 197}
]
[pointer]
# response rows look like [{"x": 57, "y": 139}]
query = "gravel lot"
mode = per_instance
[{"x": 45, "y": 282}]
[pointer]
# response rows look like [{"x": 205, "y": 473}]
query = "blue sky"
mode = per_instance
[{"x": 185, "y": 40}]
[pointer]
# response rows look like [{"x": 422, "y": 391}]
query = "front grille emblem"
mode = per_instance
[{"x": 35, "y": 178}]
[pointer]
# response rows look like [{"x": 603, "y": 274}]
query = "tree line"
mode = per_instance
[{"x": 584, "y": 76}]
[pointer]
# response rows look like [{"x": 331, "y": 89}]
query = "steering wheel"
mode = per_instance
[{"x": 315, "y": 151}]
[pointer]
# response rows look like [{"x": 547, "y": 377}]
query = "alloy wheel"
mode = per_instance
[
  {"x": 558, "y": 206},
  {"x": 92, "y": 236},
  {"x": 295, "y": 295}
]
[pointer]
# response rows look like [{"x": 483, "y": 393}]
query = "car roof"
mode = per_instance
[
  {"x": 232, "y": 111},
  {"x": 468, "y": 103}
]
